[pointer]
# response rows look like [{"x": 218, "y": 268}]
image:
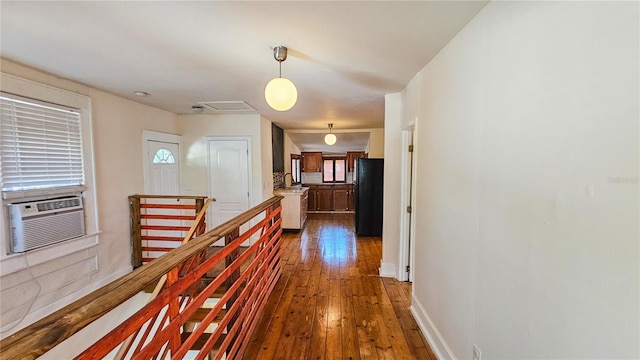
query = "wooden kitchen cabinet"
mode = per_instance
[
  {"x": 341, "y": 198},
  {"x": 311, "y": 161},
  {"x": 351, "y": 199},
  {"x": 351, "y": 158},
  {"x": 312, "y": 204},
  {"x": 324, "y": 198}
]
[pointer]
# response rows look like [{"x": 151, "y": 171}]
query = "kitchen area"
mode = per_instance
[
  {"x": 327, "y": 182},
  {"x": 330, "y": 180}
]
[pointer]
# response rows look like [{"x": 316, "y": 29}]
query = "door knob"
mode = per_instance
[{"x": 214, "y": 199}]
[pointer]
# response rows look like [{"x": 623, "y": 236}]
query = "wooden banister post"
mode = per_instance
[
  {"x": 199, "y": 206},
  {"x": 233, "y": 277},
  {"x": 136, "y": 233}
]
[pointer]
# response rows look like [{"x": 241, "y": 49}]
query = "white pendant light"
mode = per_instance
[
  {"x": 281, "y": 94},
  {"x": 330, "y": 138}
]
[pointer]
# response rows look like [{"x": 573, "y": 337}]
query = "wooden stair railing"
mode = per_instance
[
  {"x": 158, "y": 223},
  {"x": 196, "y": 229},
  {"x": 195, "y": 273}
]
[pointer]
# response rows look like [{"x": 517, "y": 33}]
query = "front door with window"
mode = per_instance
[
  {"x": 162, "y": 177},
  {"x": 163, "y": 162}
]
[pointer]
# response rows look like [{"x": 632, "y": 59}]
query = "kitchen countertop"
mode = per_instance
[{"x": 290, "y": 191}]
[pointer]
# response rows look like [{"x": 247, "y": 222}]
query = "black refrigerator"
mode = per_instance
[{"x": 368, "y": 185}]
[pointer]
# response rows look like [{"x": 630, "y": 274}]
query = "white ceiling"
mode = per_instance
[
  {"x": 346, "y": 141},
  {"x": 343, "y": 56}
]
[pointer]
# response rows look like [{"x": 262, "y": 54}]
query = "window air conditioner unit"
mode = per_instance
[{"x": 45, "y": 222}]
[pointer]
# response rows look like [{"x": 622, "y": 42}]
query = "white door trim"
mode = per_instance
[
  {"x": 149, "y": 135},
  {"x": 407, "y": 220}
]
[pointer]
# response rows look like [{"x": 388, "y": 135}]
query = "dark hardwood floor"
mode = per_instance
[{"x": 331, "y": 304}]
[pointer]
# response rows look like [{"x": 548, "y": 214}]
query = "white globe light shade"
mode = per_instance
[
  {"x": 281, "y": 94},
  {"x": 330, "y": 139}
]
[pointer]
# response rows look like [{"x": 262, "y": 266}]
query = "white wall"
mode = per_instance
[
  {"x": 527, "y": 196},
  {"x": 375, "y": 148},
  {"x": 117, "y": 130},
  {"x": 289, "y": 148},
  {"x": 196, "y": 128},
  {"x": 266, "y": 153},
  {"x": 392, "y": 155}
]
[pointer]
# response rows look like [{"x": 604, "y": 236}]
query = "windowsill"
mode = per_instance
[{"x": 15, "y": 262}]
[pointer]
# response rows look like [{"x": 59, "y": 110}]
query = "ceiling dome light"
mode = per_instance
[
  {"x": 330, "y": 138},
  {"x": 280, "y": 93}
]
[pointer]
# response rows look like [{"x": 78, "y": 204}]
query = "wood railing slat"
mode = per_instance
[
  {"x": 168, "y": 206},
  {"x": 168, "y": 217},
  {"x": 162, "y": 238},
  {"x": 165, "y": 228},
  {"x": 180, "y": 197}
]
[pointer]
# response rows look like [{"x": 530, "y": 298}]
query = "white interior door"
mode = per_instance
[{"x": 228, "y": 179}]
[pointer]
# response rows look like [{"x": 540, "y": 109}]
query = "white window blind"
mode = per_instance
[{"x": 40, "y": 146}]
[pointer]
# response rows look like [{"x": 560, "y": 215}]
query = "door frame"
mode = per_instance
[
  {"x": 249, "y": 164},
  {"x": 406, "y": 244},
  {"x": 150, "y": 135}
]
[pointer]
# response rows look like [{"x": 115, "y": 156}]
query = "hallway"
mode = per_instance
[{"x": 330, "y": 304}]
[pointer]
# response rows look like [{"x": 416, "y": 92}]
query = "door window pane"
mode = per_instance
[{"x": 163, "y": 156}]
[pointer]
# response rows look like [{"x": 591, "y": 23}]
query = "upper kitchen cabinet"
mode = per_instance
[
  {"x": 351, "y": 158},
  {"x": 311, "y": 161}
]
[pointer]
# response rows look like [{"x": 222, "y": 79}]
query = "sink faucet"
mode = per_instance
[{"x": 284, "y": 179}]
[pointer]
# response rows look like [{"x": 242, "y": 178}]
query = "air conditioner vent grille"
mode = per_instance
[
  {"x": 47, "y": 230},
  {"x": 228, "y": 106},
  {"x": 41, "y": 223}
]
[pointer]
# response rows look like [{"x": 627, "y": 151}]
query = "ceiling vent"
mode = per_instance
[{"x": 228, "y": 106}]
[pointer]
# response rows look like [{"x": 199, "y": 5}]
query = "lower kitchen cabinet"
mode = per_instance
[
  {"x": 351, "y": 199},
  {"x": 341, "y": 198},
  {"x": 312, "y": 200},
  {"x": 325, "y": 198}
]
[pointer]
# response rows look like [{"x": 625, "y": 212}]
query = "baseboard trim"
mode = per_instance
[
  {"x": 387, "y": 270},
  {"x": 430, "y": 332}
]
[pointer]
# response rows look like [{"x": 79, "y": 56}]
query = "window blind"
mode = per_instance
[{"x": 40, "y": 146}]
